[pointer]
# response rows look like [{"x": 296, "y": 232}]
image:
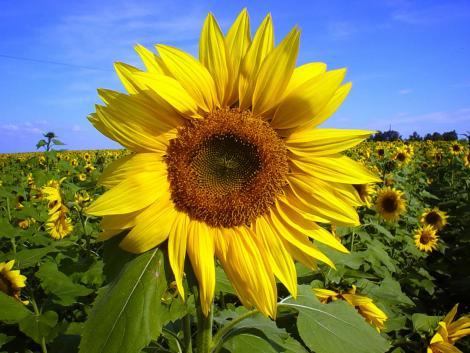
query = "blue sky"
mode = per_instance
[{"x": 408, "y": 60}]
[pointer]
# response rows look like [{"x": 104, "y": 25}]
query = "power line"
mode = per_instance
[{"x": 52, "y": 63}]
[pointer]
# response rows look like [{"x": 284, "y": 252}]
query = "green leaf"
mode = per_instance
[
  {"x": 12, "y": 310},
  {"x": 256, "y": 333},
  {"x": 60, "y": 285},
  {"x": 30, "y": 257},
  {"x": 5, "y": 339},
  {"x": 423, "y": 323},
  {"x": 41, "y": 143},
  {"x": 40, "y": 326},
  {"x": 57, "y": 142},
  {"x": 127, "y": 314},
  {"x": 222, "y": 283},
  {"x": 334, "y": 327}
]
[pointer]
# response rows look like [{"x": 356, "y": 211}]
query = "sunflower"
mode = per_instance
[
  {"x": 364, "y": 305},
  {"x": 11, "y": 281},
  {"x": 466, "y": 159},
  {"x": 448, "y": 332},
  {"x": 390, "y": 203},
  {"x": 402, "y": 155},
  {"x": 426, "y": 238},
  {"x": 228, "y": 160},
  {"x": 456, "y": 149},
  {"x": 434, "y": 217},
  {"x": 365, "y": 191}
]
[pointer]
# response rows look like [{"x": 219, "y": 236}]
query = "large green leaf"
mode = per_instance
[
  {"x": 334, "y": 327},
  {"x": 423, "y": 323},
  {"x": 256, "y": 333},
  {"x": 127, "y": 314},
  {"x": 40, "y": 326},
  {"x": 12, "y": 310},
  {"x": 60, "y": 285},
  {"x": 30, "y": 257}
]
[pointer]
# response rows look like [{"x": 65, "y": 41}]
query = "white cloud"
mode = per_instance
[
  {"x": 20, "y": 128},
  {"x": 77, "y": 128},
  {"x": 405, "y": 91}
]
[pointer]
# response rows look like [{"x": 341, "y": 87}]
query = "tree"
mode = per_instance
[
  {"x": 415, "y": 137},
  {"x": 450, "y": 136},
  {"x": 51, "y": 141}
]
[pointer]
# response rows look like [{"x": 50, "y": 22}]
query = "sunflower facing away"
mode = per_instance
[
  {"x": 390, "y": 203},
  {"x": 228, "y": 161},
  {"x": 11, "y": 281},
  {"x": 364, "y": 305},
  {"x": 448, "y": 332},
  {"x": 426, "y": 238},
  {"x": 434, "y": 217}
]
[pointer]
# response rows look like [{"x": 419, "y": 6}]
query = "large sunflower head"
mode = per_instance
[
  {"x": 456, "y": 148},
  {"x": 228, "y": 161},
  {"x": 434, "y": 217},
  {"x": 426, "y": 238},
  {"x": 11, "y": 281},
  {"x": 390, "y": 203}
]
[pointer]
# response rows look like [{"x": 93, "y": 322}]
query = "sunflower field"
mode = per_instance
[
  {"x": 232, "y": 222},
  {"x": 407, "y": 267}
]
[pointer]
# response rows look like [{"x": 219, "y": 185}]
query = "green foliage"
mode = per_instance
[
  {"x": 334, "y": 327},
  {"x": 127, "y": 314},
  {"x": 94, "y": 297}
]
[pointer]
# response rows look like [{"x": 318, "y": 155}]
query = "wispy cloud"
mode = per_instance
[
  {"x": 436, "y": 121},
  {"x": 405, "y": 91},
  {"x": 109, "y": 33},
  {"x": 22, "y": 128},
  {"x": 445, "y": 11}
]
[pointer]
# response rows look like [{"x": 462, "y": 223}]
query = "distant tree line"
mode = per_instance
[{"x": 392, "y": 135}]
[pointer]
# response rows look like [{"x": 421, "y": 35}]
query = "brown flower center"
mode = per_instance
[
  {"x": 390, "y": 203},
  {"x": 433, "y": 218},
  {"x": 226, "y": 169}
]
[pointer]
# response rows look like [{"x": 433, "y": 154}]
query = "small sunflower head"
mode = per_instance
[
  {"x": 435, "y": 218},
  {"x": 366, "y": 192},
  {"x": 402, "y": 155},
  {"x": 426, "y": 238},
  {"x": 11, "y": 281},
  {"x": 390, "y": 203},
  {"x": 456, "y": 149}
]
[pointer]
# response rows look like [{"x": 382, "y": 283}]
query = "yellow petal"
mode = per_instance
[
  {"x": 451, "y": 314},
  {"x": 213, "y": 55},
  {"x": 152, "y": 227},
  {"x": 303, "y": 74},
  {"x": 275, "y": 73},
  {"x": 337, "y": 168},
  {"x": 327, "y": 111},
  {"x": 201, "y": 254},
  {"x": 192, "y": 75},
  {"x": 133, "y": 194},
  {"x": 172, "y": 92},
  {"x": 177, "y": 241},
  {"x": 128, "y": 166},
  {"x": 279, "y": 258},
  {"x": 145, "y": 132},
  {"x": 119, "y": 222},
  {"x": 306, "y": 101},
  {"x": 295, "y": 219},
  {"x": 263, "y": 43},
  {"x": 237, "y": 42},
  {"x": 285, "y": 229},
  {"x": 249, "y": 272},
  {"x": 152, "y": 61},
  {"x": 322, "y": 142},
  {"x": 316, "y": 198}
]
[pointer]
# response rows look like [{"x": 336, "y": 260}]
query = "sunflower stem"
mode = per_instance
[
  {"x": 204, "y": 330},
  {"x": 188, "y": 347},
  {"x": 219, "y": 336}
]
